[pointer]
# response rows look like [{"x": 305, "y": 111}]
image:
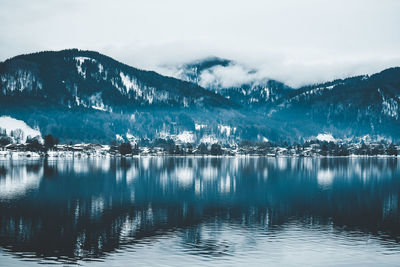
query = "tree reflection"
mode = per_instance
[{"x": 88, "y": 208}]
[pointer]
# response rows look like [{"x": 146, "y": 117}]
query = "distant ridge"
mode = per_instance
[{"x": 86, "y": 96}]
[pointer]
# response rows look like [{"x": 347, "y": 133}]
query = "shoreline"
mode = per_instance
[{"x": 28, "y": 155}]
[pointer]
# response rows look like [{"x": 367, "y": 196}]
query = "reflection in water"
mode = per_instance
[
  {"x": 211, "y": 207},
  {"x": 17, "y": 180}
]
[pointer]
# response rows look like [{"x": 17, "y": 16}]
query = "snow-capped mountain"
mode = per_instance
[
  {"x": 363, "y": 104},
  {"x": 86, "y": 96},
  {"x": 87, "y": 79},
  {"x": 233, "y": 80}
]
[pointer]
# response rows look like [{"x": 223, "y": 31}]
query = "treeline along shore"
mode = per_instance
[{"x": 50, "y": 147}]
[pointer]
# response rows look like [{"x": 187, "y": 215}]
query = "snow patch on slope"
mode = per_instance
[
  {"x": 225, "y": 129},
  {"x": 209, "y": 139},
  {"x": 21, "y": 80},
  {"x": 183, "y": 137},
  {"x": 198, "y": 127},
  {"x": 390, "y": 107},
  {"x": 79, "y": 62},
  {"x": 130, "y": 84},
  {"x": 186, "y": 137},
  {"x": 326, "y": 137},
  {"x": 96, "y": 102},
  {"x": 10, "y": 124}
]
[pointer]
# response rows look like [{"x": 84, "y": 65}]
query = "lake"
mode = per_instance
[{"x": 177, "y": 211}]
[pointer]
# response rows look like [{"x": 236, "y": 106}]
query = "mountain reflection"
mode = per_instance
[{"x": 88, "y": 208}]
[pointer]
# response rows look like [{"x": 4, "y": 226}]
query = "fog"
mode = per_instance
[{"x": 297, "y": 42}]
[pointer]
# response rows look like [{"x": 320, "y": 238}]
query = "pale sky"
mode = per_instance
[{"x": 295, "y": 41}]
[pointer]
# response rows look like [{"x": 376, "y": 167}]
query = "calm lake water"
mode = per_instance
[{"x": 200, "y": 211}]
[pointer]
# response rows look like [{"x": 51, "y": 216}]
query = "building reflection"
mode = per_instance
[{"x": 87, "y": 208}]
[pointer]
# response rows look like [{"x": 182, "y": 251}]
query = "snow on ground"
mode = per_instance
[
  {"x": 101, "y": 108},
  {"x": 79, "y": 62},
  {"x": 226, "y": 129},
  {"x": 389, "y": 106},
  {"x": 209, "y": 139},
  {"x": 326, "y": 137},
  {"x": 10, "y": 124},
  {"x": 186, "y": 137},
  {"x": 198, "y": 127},
  {"x": 183, "y": 137},
  {"x": 119, "y": 138},
  {"x": 130, "y": 84},
  {"x": 131, "y": 138},
  {"x": 97, "y": 102},
  {"x": 82, "y": 59}
]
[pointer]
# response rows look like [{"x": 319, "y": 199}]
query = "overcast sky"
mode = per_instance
[{"x": 296, "y": 41}]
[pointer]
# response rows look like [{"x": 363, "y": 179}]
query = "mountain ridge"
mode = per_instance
[
  {"x": 51, "y": 69},
  {"x": 54, "y": 90}
]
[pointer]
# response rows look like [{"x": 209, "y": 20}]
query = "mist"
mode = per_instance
[{"x": 296, "y": 42}]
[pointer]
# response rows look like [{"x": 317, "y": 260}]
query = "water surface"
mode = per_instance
[{"x": 200, "y": 211}]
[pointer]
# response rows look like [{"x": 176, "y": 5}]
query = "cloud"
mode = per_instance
[
  {"x": 293, "y": 41},
  {"x": 293, "y": 73},
  {"x": 224, "y": 77}
]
